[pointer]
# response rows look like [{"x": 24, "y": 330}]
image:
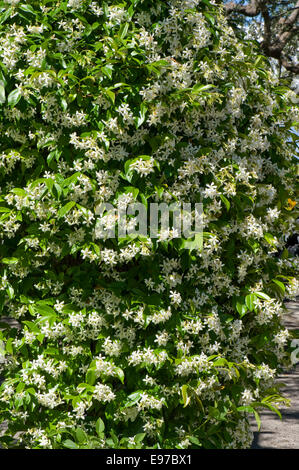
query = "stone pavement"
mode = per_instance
[{"x": 276, "y": 433}]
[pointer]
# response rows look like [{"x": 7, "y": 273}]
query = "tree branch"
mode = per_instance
[
  {"x": 294, "y": 68},
  {"x": 267, "y": 23},
  {"x": 287, "y": 24},
  {"x": 272, "y": 46},
  {"x": 283, "y": 13},
  {"x": 252, "y": 9}
]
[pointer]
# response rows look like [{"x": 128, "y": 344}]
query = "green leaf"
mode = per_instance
[
  {"x": 198, "y": 88},
  {"x": 241, "y": 306},
  {"x": 44, "y": 310},
  {"x": 280, "y": 285},
  {"x": 270, "y": 239},
  {"x": 19, "y": 192},
  {"x": 81, "y": 436},
  {"x": 8, "y": 346},
  {"x": 195, "y": 244},
  {"x": 186, "y": 397},
  {"x": 133, "y": 399},
  {"x": 249, "y": 300},
  {"x": 210, "y": 18},
  {"x": 57, "y": 190},
  {"x": 2, "y": 92},
  {"x": 132, "y": 190},
  {"x": 123, "y": 30},
  {"x": 91, "y": 376},
  {"x": 142, "y": 114},
  {"x": 31, "y": 326},
  {"x": 220, "y": 362},
  {"x": 194, "y": 440},
  {"x": 285, "y": 254},
  {"x": 272, "y": 408},
  {"x": 258, "y": 419},
  {"x": 65, "y": 209},
  {"x": 7, "y": 14},
  {"x": 70, "y": 444},
  {"x": 128, "y": 164},
  {"x": 247, "y": 408},
  {"x": 111, "y": 95},
  {"x": 27, "y": 9},
  {"x": 262, "y": 295},
  {"x": 114, "y": 437},
  {"x": 225, "y": 202},
  {"x": 14, "y": 97},
  {"x": 63, "y": 104},
  {"x": 120, "y": 374},
  {"x": 10, "y": 291},
  {"x": 100, "y": 426},
  {"x": 107, "y": 70},
  {"x": 49, "y": 183},
  {"x": 139, "y": 437},
  {"x": 9, "y": 260},
  {"x": 20, "y": 387}
]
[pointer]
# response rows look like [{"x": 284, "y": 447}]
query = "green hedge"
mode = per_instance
[{"x": 140, "y": 342}]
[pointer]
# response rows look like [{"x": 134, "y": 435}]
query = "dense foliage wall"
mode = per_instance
[{"x": 138, "y": 342}]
